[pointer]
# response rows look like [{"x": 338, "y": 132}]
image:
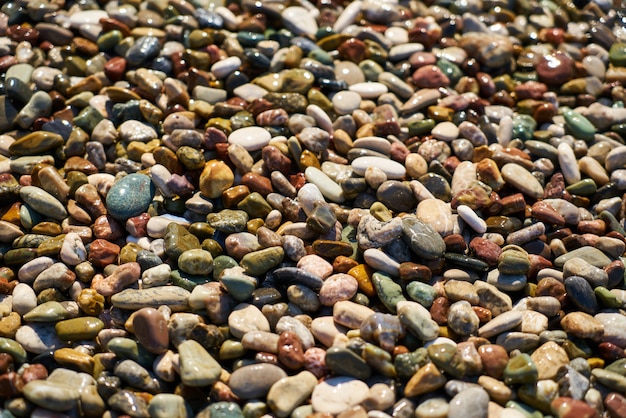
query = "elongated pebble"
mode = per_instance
[
  {"x": 568, "y": 163},
  {"x": 43, "y": 202},
  {"x": 472, "y": 219},
  {"x": 329, "y": 189},
  {"x": 370, "y": 90},
  {"x": 252, "y": 138},
  {"x": 223, "y": 68},
  {"x": 520, "y": 178},
  {"x": 347, "y": 16},
  {"x": 392, "y": 169}
]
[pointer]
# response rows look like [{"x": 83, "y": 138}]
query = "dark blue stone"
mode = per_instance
[
  {"x": 18, "y": 92},
  {"x": 58, "y": 126},
  {"x": 145, "y": 49},
  {"x": 256, "y": 59},
  {"x": 580, "y": 294},
  {"x": 332, "y": 85},
  {"x": 130, "y": 196},
  {"x": 305, "y": 44},
  {"x": 207, "y": 19},
  {"x": 286, "y": 276},
  {"x": 163, "y": 64},
  {"x": 249, "y": 39}
]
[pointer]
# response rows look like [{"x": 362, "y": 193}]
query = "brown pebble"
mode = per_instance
[
  {"x": 35, "y": 371},
  {"x": 615, "y": 404},
  {"x": 102, "y": 253},
  {"x": 290, "y": 351},
  {"x": 150, "y": 328},
  {"x": 439, "y": 310},
  {"x": 494, "y": 358},
  {"x": 485, "y": 250},
  {"x": 343, "y": 264},
  {"x": 411, "y": 271}
]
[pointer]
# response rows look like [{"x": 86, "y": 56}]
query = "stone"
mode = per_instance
[
  {"x": 288, "y": 393},
  {"x": 338, "y": 394},
  {"x": 255, "y": 381},
  {"x": 130, "y": 196},
  {"x": 197, "y": 367}
]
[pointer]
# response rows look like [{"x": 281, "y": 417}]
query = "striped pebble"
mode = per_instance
[{"x": 392, "y": 169}]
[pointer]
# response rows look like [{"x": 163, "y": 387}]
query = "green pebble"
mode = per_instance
[
  {"x": 421, "y": 127},
  {"x": 379, "y": 360},
  {"x": 524, "y": 127},
  {"x": 224, "y": 409},
  {"x": 611, "y": 380},
  {"x": 591, "y": 255},
  {"x": 239, "y": 287},
  {"x": 371, "y": 69},
  {"x": 231, "y": 349},
  {"x": 255, "y": 206},
  {"x": 51, "y": 311},
  {"x": 606, "y": 298},
  {"x": 108, "y": 40},
  {"x": 221, "y": 263},
  {"x": 15, "y": 349},
  {"x": 345, "y": 362},
  {"x": 87, "y": 119},
  {"x": 446, "y": 358},
  {"x": 166, "y": 405},
  {"x": 408, "y": 363},
  {"x": 528, "y": 411},
  {"x": 257, "y": 263},
  {"x": 618, "y": 366},
  {"x": 197, "y": 367},
  {"x": 228, "y": 221},
  {"x": 388, "y": 291},
  {"x": 196, "y": 262},
  {"x": 519, "y": 370},
  {"x": 422, "y": 293},
  {"x": 450, "y": 69},
  {"x": 256, "y": 409},
  {"x": 617, "y": 54},
  {"x": 579, "y": 125},
  {"x": 185, "y": 280},
  {"x": 585, "y": 187},
  {"x": 84, "y": 328}
]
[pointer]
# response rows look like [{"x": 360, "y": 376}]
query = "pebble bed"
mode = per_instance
[{"x": 342, "y": 209}]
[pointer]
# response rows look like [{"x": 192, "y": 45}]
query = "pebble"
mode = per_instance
[
  {"x": 130, "y": 196},
  {"x": 341, "y": 199},
  {"x": 255, "y": 380},
  {"x": 338, "y": 394}
]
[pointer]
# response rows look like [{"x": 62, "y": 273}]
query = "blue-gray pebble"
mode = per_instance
[{"x": 130, "y": 196}]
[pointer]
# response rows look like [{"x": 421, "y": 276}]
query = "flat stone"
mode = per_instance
[{"x": 254, "y": 381}]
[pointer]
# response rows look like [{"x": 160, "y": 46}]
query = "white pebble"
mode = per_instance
[
  {"x": 345, "y": 102},
  {"x": 392, "y": 169},
  {"x": 472, "y": 219},
  {"x": 348, "y": 16},
  {"x": 329, "y": 189},
  {"x": 225, "y": 67},
  {"x": 252, "y": 138},
  {"x": 371, "y": 90}
]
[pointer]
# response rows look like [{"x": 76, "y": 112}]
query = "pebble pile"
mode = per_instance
[{"x": 350, "y": 209}]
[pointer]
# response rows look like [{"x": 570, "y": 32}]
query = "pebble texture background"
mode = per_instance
[{"x": 350, "y": 209}]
